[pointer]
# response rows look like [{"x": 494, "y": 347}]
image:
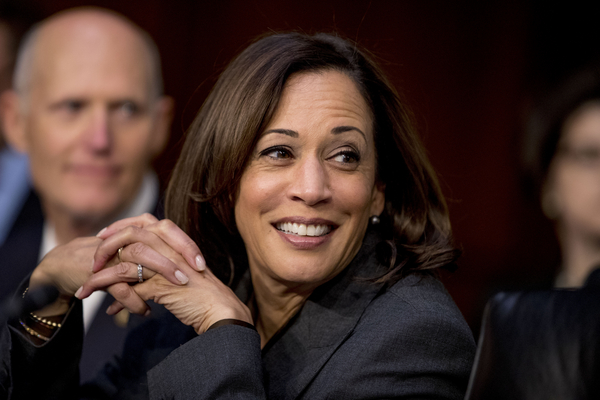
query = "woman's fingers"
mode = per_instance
[
  {"x": 153, "y": 261},
  {"x": 139, "y": 221},
  {"x": 109, "y": 247},
  {"x": 180, "y": 242},
  {"x": 127, "y": 298},
  {"x": 121, "y": 272},
  {"x": 166, "y": 230}
]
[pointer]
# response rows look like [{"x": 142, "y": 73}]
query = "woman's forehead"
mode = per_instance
[{"x": 323, "y": 96}]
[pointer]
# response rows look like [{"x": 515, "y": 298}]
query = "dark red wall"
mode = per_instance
[{"x": 466, "y": 68}]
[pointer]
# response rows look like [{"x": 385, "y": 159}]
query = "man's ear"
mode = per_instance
[
  {"x": 13, "y": 121},
  {"x": 162, "y": 126}
]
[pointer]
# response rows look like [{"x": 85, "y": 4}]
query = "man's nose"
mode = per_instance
[
  {"x": 98, "y": 135},
  {"x": 310, "y": 182}
]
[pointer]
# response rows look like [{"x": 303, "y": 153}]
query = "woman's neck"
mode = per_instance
[
  {"x": 580, "y": 255},
  {"x": 276, "y": 304}
]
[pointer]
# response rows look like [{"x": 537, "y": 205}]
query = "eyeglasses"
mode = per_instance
[{"x": 583, "y": 155}]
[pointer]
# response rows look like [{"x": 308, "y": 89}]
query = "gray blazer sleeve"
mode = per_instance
[{"x": 223, "y": 363}]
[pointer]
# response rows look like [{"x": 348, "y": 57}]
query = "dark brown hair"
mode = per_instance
[{"x": 220, "y": 141}]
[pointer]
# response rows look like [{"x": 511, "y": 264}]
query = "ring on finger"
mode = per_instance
[
  {"x": 119, "y": 254},
  {"x": 140, "y": 273}
]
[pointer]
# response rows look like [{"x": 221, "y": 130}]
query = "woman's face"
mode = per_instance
[
  {"x": 306, "y": 196},
  {"x": 573, "y": 189}
]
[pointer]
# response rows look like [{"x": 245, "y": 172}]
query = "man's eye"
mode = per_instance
[
  {"x": 128, "y": 108},
  {"x": 72, "y": 106}
]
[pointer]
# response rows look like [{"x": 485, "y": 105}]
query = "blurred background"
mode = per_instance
[{"x": 471, "y": 71}]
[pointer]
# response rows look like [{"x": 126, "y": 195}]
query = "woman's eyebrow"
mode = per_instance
[
  {"x": 287, "y": 132},
  {"x": 341, "y": 129}
]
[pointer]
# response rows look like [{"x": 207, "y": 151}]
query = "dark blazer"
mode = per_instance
[
  {"x": 351, "y": 339},
  {"x": 18, "y": 258},
  {"x": 541, "y": 344},
  {"x": 19, "y": 253}
]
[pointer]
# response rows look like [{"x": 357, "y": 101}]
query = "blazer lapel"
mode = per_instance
[{"x": 322, "y": 325}]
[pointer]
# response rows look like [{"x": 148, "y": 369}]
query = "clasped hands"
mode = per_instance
[{"x": 174, "y": 272}]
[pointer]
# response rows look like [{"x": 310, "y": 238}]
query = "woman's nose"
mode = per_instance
[{"x": 310, "y": 182}]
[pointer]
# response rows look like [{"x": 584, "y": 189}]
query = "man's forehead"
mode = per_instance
[{"x": 105, "y": 57}]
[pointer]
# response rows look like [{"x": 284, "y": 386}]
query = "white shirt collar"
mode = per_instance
[{"x": 144, "y": 202}]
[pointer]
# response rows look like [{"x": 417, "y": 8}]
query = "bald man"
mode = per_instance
[{"x": 88, "y": 110}]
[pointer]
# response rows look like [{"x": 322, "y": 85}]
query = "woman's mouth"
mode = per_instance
[{"x": 303, "y": 229}]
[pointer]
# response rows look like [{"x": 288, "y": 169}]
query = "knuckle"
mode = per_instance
[
  {"x": 165, "y": 225},
  {"x": 131, "y": 230},
  {"x": 165, "y": 264},
  {"x": 148, "y": 217},
  {"x": 121, "y": 291},
  {"x": 137, "y": 249},
  {"x": 190, "y": 245},
  {"x": 121, "y": 269}
]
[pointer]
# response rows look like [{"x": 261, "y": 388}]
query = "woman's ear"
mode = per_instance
[
  {"x": 378, "y": 199},
  {"x": 12, "y": 118}
]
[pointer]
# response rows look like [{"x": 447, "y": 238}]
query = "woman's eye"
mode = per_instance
[
  {"x": 277, "y": 153},
  {"x": 584, "y": 155},
  {"x": 347, "y": 157},
  {"x": 588, "y": 155}
]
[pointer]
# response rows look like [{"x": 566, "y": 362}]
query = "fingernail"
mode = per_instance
[
  {"x": 200, "y": 263},
  {"x": 109, "y": 309},
  {"x": 92, "y": 267},
  {"x": 78, "y": 292},
  {"x": 101, "y": 232},
  {"x": 147, "y": 313},
  {"x": 181, "y": 277}
]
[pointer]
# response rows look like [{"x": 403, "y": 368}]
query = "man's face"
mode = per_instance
[{"x": 91, "y": 126}]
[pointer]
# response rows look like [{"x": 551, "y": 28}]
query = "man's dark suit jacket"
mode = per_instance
[
  {"x": 18, "y": 258},
  {"x": 352, "y": 339}
]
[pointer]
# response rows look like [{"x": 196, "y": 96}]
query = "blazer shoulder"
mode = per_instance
[
  {"x": 419, "y": 305},
  {"x": 411, "y": 341}
]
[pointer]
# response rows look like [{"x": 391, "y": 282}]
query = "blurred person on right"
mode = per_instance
[{"x": 562, "y": 158}]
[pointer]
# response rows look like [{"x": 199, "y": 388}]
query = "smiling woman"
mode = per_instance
[
  {"x": 303, "y": 185},
  {"x": 314, "y": 170}
]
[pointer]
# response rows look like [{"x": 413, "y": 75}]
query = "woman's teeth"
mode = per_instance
[{"x": 304, "y": 230}]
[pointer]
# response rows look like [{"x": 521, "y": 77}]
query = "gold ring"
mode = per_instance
[{"x": 119, "y": 255}]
